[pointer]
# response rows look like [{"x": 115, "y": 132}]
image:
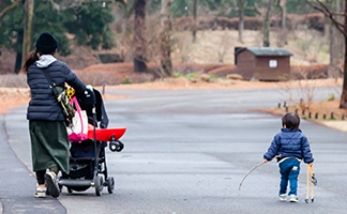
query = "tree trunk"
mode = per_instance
[
  {"x": 283, "y": 4},
  {"x": 28, "y": 23},
  {"x": 241, "y": 19},
  {"x": 194, "y": 19},
  {"x": 165, "y": 43},
  {"x": 126, "y": 14},
  {"x": 266, "y": 31},
  {"x": 18, "y": 63},
  {"x": 140, "y": 36},
  {"x": 336, "y": 44},
  {"x": 124, "y": 24},
  {"x": 343, "y": 100}
]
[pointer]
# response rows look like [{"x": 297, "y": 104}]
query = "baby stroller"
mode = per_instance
[{"x": 87, "y": 159}]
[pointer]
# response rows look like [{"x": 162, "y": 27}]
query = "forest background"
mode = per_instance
[
  {"x": 87, "y": 29},
  {"x": 133, "y": 41}
]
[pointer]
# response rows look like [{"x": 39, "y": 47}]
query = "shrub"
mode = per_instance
[
  {"x": 192, "y": 75},
  {"x": 127, "y": 81}
]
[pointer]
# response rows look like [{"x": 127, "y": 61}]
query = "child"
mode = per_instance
[{"x": 289, "y": 146}]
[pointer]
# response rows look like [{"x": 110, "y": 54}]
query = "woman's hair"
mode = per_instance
[
  {"x": 291, "y": 120},
  {"x": 32, "y": 57}
]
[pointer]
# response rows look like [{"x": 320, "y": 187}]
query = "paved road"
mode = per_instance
[{"x": 186, "y": 151}]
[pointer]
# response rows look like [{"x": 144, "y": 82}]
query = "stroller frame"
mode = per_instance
[{"x": 93, "y": 172}]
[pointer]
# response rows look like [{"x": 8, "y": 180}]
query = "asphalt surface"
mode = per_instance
[{"x": 186, "y": 151}]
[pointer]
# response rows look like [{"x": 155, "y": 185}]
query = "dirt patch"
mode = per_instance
[{"x": 13, "y": 97}]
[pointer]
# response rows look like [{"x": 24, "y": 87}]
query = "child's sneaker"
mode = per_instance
[
  {"x": 293, "y": 198},
  {"x": 283, "y": 197},
  {"x": 52, "y": 184},
  {"x": 40, "y": 192}
]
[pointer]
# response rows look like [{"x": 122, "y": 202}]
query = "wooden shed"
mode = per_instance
[{"x": 263, "y": 63}]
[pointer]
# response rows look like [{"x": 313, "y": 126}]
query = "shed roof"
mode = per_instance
[{"x": 267, "y": 51}]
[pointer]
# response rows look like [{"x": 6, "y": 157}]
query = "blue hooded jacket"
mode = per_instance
[
  {"x": 43, "y": 104},
  {"x": 290, "y": 143}
]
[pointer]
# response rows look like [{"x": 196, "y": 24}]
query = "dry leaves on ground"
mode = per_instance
[{"x": 13, "y": 97}]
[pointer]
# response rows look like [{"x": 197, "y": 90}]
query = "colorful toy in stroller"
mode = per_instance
[{"x": 87, "y": 160}]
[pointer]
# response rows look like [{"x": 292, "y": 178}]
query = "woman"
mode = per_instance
[{"x": 49, "y": 140}]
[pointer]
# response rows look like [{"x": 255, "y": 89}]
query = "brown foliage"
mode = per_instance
[
  {"x": 112, "y": 74},
  {"x": 224, "y": 70},
  {"x": 79, "y": 59},
  {"x": 7, "y": 61},
  {"x": 185, "y": 23},
  {"x": 311, "y": 21},
  {"x": 185, "y": 68},
  {"x": 316, "y": 71},
  {"x": 117, "y": 73}
]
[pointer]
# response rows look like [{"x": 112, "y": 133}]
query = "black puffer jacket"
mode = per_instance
[{"x": 43, "y": 104}]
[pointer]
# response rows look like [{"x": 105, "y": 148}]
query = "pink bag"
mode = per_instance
[{"x": 79, "y": 129}]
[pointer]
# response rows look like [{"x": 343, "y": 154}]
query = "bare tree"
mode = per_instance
[
  {"x": 65, "y": 4},
  {"x": 283, "y": 5},
  {"x": 139, "y": 36},
  {"x": 336, "y": 43},
  {"x": 127, "y": 9},
  {"x": 165, "y": 43},
  {"x": 266, "y": 27},
  {"x": 342, "y": 27},
  {"x": 195, "y": 3},
  {"x": 241, "y": 18},
  {"x": 28, "y": 25}
]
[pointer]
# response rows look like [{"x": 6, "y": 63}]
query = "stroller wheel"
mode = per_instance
[
  {"x": 116, "y": 146},
  {"x": 110, "y": 184},
  {"x": 99, "y": 185}
]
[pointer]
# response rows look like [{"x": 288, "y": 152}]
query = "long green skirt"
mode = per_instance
[{"x": 49, "y": 145}]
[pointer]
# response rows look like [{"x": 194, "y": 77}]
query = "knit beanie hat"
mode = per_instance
[{"x": 46, "y": 43}]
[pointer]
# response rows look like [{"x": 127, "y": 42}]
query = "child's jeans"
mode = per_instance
[{"x": 289, "y": 170}]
